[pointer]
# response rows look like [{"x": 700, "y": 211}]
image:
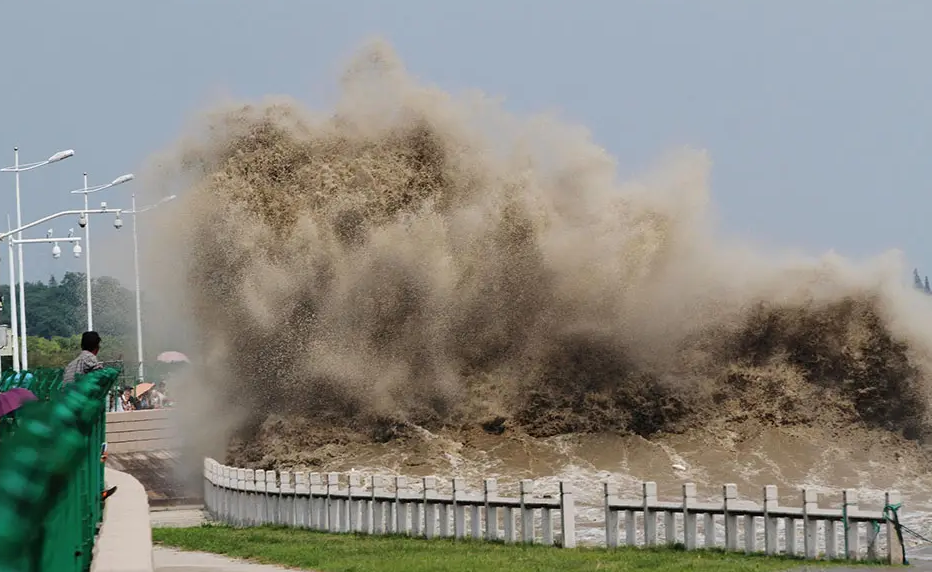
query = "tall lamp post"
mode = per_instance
[
  {"x": 87, "y": 236},
  {"x": 18, "y": 168},
  {"x": 13, "y": 319},
  {"x": 118, "y": 223},
  {"x": 134, "y": 212}
]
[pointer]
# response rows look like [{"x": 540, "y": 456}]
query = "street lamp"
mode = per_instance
[
  {"x": 56, "y": 253},
  {"x": 18, "y": 231},
  {"x": 134, "y": 212},
  {"x": 87, "y": 235},
  {"x": 18, "y": 168}
]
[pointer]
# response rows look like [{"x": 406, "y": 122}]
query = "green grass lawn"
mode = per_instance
[{"x": 310, "y": 550}]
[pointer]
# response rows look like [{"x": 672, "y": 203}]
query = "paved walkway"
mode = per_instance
[
  {"x": 169, "y": 560},
  {"x": 177, "y": 517},
  {"x": 125, "y": 540}
]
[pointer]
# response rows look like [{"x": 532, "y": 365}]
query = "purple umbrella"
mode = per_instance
[{"x": 13, "y": 399}]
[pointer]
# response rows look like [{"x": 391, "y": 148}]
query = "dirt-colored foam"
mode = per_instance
[{"x": 414, "y": 259}]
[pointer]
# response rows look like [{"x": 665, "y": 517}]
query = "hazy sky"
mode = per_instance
[{"x": 817, "y": 113}]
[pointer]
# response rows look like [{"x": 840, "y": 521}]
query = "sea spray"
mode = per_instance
[{"x": 415, "y": 258}]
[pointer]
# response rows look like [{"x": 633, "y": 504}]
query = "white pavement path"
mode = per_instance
[
  {"x": 169, "y": 560},
  {"x": 177, "y": 517}
]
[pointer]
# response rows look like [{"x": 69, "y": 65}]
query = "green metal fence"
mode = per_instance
[
  {"x": 51, "y": 474},
  {"x": 41, "y": 381}
]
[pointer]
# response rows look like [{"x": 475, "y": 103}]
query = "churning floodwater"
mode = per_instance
[{"x": 422, "y": 282}]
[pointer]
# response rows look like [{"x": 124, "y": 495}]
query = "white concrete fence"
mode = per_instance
[
  {"x": 383, "y": 505},
  {"x": 687, "y": 521},
  {"x": 338, "y": 503}
]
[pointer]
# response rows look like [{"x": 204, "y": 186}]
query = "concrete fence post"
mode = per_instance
[
  {"x": 365, "y": 507},
  {"x": 215, "y": 490},
  {"x": 318, "y": 503},
  {"x": 873, "y": 541},
  {"x": 231, "y": 496},
  {"x": 249, "y": 505},
  {"x": 689, "y": 517},
  {"x": 851, "y": 529},
  {"x": 221, "y": 492},
  {"x": 208, "y": 484},
  {"x": 631, "y": 529},
  {"x": 475, "y": 519},
  {"x": 810, "y": 540},
  {"x": 546, "y": 525},
  {"x": 443, "y": 514},
  {"x": 378, "y": 505},
  {"x": 286, "y": 500},
  {"x": 459, "y": 510},
  {"x": 302, "y": 491},
  {"x": 831, "y": 539},
  {"x": 527, "y": 513},
  {"x": 750, "y": 533},
  {"x": 508, "y": 524},
  {"x": 224, "y": 487},
  {"x": 611, "y": 516},
  {"x": 894, "y": 546},
  {"x": 417, "y": 515},
  {"x": 490, "y": 490},
  {"x": 649, "y": 502},
  {"x": 789, "y": 535},
  {"x": 430, "y": 506},
  {"x": 240, "y": 497},
  {"x": 262, "y": 499},
  {"x": 567, "y": 515},
  {"x": 708, "y": 530},
  {"x": 343, "y": 507},
  {"x": 729, "y": 497},
  {"x": 353, "y": 503},
  {"x": 333, "y": 505},
  {"x": 669, "y": 527},
  {"x": 273, "y": 490},
  {"x": 771, "y": 503},
  {"x": 401, "y": 507}
]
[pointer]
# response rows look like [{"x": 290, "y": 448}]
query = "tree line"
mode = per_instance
[{"x": 56, "y": 315}]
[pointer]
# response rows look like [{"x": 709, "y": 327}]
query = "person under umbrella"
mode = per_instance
[{"x": 13, "y": 399}]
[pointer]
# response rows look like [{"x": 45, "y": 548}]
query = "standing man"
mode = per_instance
[{"x": 87, "y": 360}]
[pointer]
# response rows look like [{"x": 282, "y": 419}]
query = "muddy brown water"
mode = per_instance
[{"x": 823, "y": 459}]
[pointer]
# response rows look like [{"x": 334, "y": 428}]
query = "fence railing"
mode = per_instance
[
  {"x": 43, "y": 382},
  {"x": 834, "y": 533},
  {"x": 51, "y": 479},
  {"x": 381, "y": 505},
  {"x": 341, "y": 503}
]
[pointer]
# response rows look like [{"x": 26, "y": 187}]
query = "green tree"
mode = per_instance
[{"x": 58, "y": 309}]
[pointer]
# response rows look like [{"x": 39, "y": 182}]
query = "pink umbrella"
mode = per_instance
[
  {"x": 13, "y": 399},
  {"x": 172, "y": 357}
]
